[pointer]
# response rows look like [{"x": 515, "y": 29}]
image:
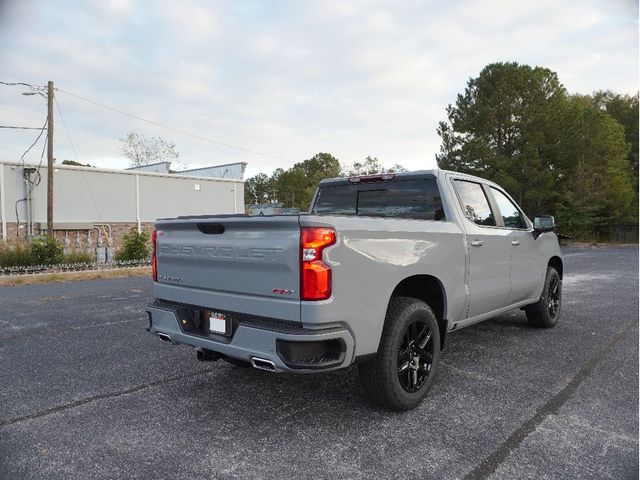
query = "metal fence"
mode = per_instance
[{"x": 70, "y": 267}]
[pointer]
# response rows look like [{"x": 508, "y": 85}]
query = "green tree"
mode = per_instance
[
  {"x": 624, "y": 109},
  {"x": 504, "y": 127},
  {"x": 135, "y": 246},
  {"x": 46, "y": 251},
  {"x": 74, "y": 163},
  {"x": 596, "y": 188},
  {"x": 555, "y": 153},
  {"x": 259, "y": 189},
  {"x": 370, "y": 166},
  {"x": 321, "y": 165},
  {"x": 295, "y": 187}
]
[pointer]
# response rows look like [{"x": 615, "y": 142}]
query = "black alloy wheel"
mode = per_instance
[
  {"x": 401, "y": 373},
  {"x": 545, "y": 313},
  {"x": 553, "y": 297},
  {"x": 415, "y": 356}
]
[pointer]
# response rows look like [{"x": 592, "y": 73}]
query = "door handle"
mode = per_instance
[
  {"x": 515, "y": 243},
  {"x": 477, "y": 243}
]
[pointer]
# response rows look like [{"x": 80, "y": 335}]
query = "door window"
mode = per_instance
[
  {"x": 474, "y": 203},
  {"x": 511, "y": 216}
]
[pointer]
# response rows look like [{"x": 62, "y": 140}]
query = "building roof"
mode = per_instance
[
  {"x": 124, "y": 172},
  {"x": 159, "y": 167},
  {"x": 228, "y": 170}
]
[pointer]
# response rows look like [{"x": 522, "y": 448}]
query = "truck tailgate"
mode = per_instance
[{"x": 236, "y": 263}]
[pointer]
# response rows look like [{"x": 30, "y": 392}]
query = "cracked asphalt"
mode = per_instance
[{"x": 88, "y": 393}]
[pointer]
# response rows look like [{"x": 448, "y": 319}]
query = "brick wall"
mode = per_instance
[{"x": 80, "y": 240}]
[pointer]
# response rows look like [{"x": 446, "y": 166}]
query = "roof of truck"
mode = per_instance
[{"x": 416, "y": 174}]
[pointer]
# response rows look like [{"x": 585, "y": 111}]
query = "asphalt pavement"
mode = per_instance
[{"x": 87, "y": 393}]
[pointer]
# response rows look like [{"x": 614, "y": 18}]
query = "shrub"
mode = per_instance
[
  {"x": 136, "y": 246},
  {"x": 17, "y": 256},
  {"x": 78, "y": 257},
  {"x": 46, "y": 251}
]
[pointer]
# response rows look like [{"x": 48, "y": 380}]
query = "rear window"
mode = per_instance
[{"x": 419, "y": 199}]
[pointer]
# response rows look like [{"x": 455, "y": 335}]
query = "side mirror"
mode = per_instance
[{"x": 545, "y": 223}]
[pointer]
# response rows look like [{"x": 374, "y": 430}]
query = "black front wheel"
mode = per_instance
[
  {"x": 400, "y": 375},
  {"x": 545, "y": 313}
]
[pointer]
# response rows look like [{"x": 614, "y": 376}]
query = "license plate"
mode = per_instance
[{"x": 219, "y": 323}]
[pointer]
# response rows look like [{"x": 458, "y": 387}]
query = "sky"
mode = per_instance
[{"x": 286, "y": 79}]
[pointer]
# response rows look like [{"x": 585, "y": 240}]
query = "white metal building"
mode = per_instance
[{"x": 118, "y": 199}]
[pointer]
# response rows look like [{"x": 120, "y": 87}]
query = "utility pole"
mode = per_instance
[{"x": 50, "y": 158}]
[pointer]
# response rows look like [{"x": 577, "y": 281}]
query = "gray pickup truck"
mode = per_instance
[{"x": 378, "y": 273}]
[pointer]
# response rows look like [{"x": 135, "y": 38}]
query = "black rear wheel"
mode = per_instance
[
  {"x": 415, "y": 356},
  {"x": 545, "y": 313},
  {"x": 401, "y": 373}
]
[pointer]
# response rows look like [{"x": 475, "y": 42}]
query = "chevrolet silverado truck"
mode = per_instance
[{"x": 378, "y": 273}]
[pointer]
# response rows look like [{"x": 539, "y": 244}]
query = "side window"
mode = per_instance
[
  {"x": 510, "y": 213},
  {"x": 474, "y": 203}
]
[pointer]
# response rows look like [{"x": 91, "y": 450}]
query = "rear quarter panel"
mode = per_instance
[{"x": 371, "y": 257}]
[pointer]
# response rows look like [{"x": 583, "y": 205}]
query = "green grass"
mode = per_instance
[
  {"x": 15, "y": 256},
  {"x": 78, "y": 257},
  {"x": 22, "y": 256}
]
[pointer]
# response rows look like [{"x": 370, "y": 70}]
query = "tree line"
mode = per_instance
[
  {"x": 569, "y": 155},
  {"x": 295, "y": 186}
]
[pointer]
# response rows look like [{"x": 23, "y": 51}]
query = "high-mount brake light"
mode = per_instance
[
  {"x": 315, "y": 275},
  {"x": 372, "y": 178},
  {"x": 154, "y": 260}
]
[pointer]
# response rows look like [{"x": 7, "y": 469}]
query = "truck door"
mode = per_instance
[
  {"x": 489, "y": 255},
  {"x": 526, "y": 271}
]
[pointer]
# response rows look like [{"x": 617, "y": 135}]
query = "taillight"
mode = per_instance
[
  {"x": 315, "y": 275},
  {"x": 154, "y": 260}
]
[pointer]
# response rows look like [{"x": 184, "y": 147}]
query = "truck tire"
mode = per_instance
[
  {"x": 400, "y": 375},
  {"x": 545, "y": 313}
]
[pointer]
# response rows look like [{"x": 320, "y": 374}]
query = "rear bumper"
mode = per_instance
[{"x": 263, "y": 340}]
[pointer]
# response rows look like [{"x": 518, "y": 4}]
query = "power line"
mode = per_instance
[
  {"x": 33, "y": 184},
  {"x": 44, "y": 147},
  {"x": 14, "y": 127},
  {"x": 15, "y": 84},
  {"x": 35, "y": 141},
  {"x": 35, "y": 89},
  {"x": 65, "y": 128},
  {"x": 177, "y": 130}
]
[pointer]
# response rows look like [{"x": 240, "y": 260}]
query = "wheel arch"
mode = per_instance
[
  {"x": 556, "y": 262},
  {"x": 429, "y": 289}
]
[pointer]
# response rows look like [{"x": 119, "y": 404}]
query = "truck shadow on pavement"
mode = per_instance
[{"x": 247, "y": 392}]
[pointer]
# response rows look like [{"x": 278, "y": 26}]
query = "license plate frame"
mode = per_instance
[{"x": 218, "y": 323}]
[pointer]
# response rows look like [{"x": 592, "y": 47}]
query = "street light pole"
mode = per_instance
[{"x": 50, "y": 158}]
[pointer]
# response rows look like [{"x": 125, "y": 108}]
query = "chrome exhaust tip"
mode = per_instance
[
  {"x": 263, "y": 364},
  {"x": 164, "y": 337}
]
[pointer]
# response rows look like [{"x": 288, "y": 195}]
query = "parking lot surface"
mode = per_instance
[{"x": 88, "y": 393}]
